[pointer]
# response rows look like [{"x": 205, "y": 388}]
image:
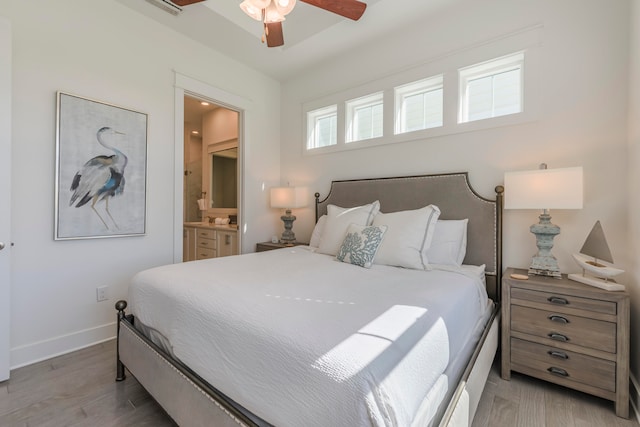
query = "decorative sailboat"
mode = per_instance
[{"x": 594, "y": 252}]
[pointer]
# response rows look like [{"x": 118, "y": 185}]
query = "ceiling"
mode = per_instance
[
  {"x": 311, "y": 34},
  {"x": 193, "y": 112}
]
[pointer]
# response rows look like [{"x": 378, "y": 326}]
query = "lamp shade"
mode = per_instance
[
  {"x": 288, "y": 197},
  {"x": 544, "y": 189}
]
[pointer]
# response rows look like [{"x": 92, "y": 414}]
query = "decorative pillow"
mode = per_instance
[
  {"x": 317, "y": 232},
  {"x": 408, "y": 236},
  {"x": 361, "y": 244},
  {"x": 449, "y": 244},
  {"x": 338, "y": 221}
]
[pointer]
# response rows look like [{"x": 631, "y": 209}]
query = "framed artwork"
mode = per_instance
[{"x": 101, "y": 169}]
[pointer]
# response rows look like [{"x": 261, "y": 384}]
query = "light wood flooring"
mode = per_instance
[
  {"x": 78, "y": 389},
  {"x": 528, "y": 402}
]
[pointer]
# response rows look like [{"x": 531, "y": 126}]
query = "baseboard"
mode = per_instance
[
  {"x": 42, "y": 350},
  {"x": 634, "y": 395}
]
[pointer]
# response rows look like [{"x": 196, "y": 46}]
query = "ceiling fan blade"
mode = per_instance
[
  {"x": 352, "y": 9},
  {"x": 185, "y": 2},
  {"x": 274, "y": 34}
]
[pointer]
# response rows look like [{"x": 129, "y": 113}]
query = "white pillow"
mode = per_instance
[
  {"x": 339, "y": 219},
  {"x": 317, "y": 232},
  {"x": 408, "y": 236},
  {"x": 449, "y": 244},
  {"x": 360, "y": 245}
]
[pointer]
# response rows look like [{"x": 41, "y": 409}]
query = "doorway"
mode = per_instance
[
  {"x": 185, "y": 85},
  {"x": 211, "y": 161}
]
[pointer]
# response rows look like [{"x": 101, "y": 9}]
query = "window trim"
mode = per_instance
[
  {"x": 525, "y": 40},
  {"x": 352, "y": 105},
  {"x": 313, "y": 117},
  {"x": 422, "y": 86},
  {"x": 492, "y": 67}
]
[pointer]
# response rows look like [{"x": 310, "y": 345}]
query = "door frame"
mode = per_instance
[
  {"x": 5, "y": 191},
  {"x": 185, "y": 85}
]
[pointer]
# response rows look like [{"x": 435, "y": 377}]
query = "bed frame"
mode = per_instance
[{"x": 191, "y": 401}]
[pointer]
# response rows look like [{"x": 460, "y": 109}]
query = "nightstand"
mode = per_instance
[
  {"x": 567, "y": 333},
  {"x": 268, "y": 246}
]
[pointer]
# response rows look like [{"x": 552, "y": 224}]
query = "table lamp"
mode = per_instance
[
  {"x": 544, "y": 189},
  {"x": 288, "y": 198}
]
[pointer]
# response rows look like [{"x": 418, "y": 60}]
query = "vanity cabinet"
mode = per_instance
[
  {"x": 209, "y": 241},
  {"x": 227, "y": 242},
  {"x": 205, "y": 243}
]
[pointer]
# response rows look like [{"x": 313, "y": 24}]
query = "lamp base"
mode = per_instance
[
  {"x": 288, "y": 236},
  {"x": 533, "y": 271},
  {"x": 544, "y": 263}
]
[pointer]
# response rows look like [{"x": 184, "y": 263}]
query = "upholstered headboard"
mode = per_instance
[{"x": 454, "y": 196}]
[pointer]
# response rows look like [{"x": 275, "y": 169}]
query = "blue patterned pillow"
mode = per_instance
[{"x": 361, "y": 244}]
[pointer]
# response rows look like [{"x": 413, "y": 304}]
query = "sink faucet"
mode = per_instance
[{"x": 211, "y": 219}]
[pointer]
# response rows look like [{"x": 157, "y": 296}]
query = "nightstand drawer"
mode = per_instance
[
  {"x": 206, "y": 234},
  {"x": 572, "y": 366},
  {"x": 565, "y": 364},
  {"x": 557, "y": 301},
  {"x": 596, "y": 334}
]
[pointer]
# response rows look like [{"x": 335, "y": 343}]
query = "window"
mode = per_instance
[
  {"x": 491, "y": 89},
  {"x": 322, "y": 127},
  {"x": 364, "y": 118},
  {"x": 419, "y": 105}
]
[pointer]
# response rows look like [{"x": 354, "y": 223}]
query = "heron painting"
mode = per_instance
[
  {"x": 100, "y": 147},
  {"x": 101, "y": 178}
]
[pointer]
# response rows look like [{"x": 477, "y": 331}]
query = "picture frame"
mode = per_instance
[{"x": 101, "y": 169}]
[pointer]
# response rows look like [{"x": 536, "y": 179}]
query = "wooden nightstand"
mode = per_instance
[
  {"x": 567, "y": 333},
  {"x": 268, "y": 246}
]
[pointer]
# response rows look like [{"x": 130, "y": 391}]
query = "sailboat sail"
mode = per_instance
[
  {"x": 595, "y": 248},
  {"x": 596, "y": 244}
]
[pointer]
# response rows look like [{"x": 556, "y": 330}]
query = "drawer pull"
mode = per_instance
[
  {"x": 558, "y": 354},
  {"x": 204, "y": 243},
  {"x": 559, "y": 319},
  {"x": 558, "y": 337},
  {"x": 558, "y": 300},
  {"x": 558, "y": 371}
]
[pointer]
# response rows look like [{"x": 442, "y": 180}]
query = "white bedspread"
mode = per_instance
[{"x": 301, "y": 339}]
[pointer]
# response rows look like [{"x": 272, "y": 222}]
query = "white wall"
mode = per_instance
[
  {"x": 581, "y": 81},
  {"x": 105, "y": 51},
  {"x": 634, "y": 187}
]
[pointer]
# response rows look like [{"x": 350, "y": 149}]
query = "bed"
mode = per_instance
[{"x": 295, "y": 337}]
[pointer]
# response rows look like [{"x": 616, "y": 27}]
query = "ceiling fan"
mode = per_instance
[{"x": 272, "y": 12}]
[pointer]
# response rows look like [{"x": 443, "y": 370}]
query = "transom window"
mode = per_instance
[
  {"x": 491, "y": 89},
  {"x": 364, "y": 117},
  {"x": 419, "y": 105},
  {"x": 396, "y": 109},
  {"x": 322, "y": 127}
]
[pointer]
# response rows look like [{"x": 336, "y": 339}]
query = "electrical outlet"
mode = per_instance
[{"x": 102, "y": 293}]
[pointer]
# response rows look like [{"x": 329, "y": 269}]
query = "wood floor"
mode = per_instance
[
  {"x": 528, "y": 402},
  {"x": 78, "y": 389}
]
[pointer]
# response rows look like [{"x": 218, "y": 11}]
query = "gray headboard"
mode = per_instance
[{"x": 454, "y": 196}]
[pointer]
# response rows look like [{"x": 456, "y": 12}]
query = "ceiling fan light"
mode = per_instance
[
  {"x": 272, "y": 14},
  {"x": 249, "y": 8},
  {"x": 285, "y": 6}
]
